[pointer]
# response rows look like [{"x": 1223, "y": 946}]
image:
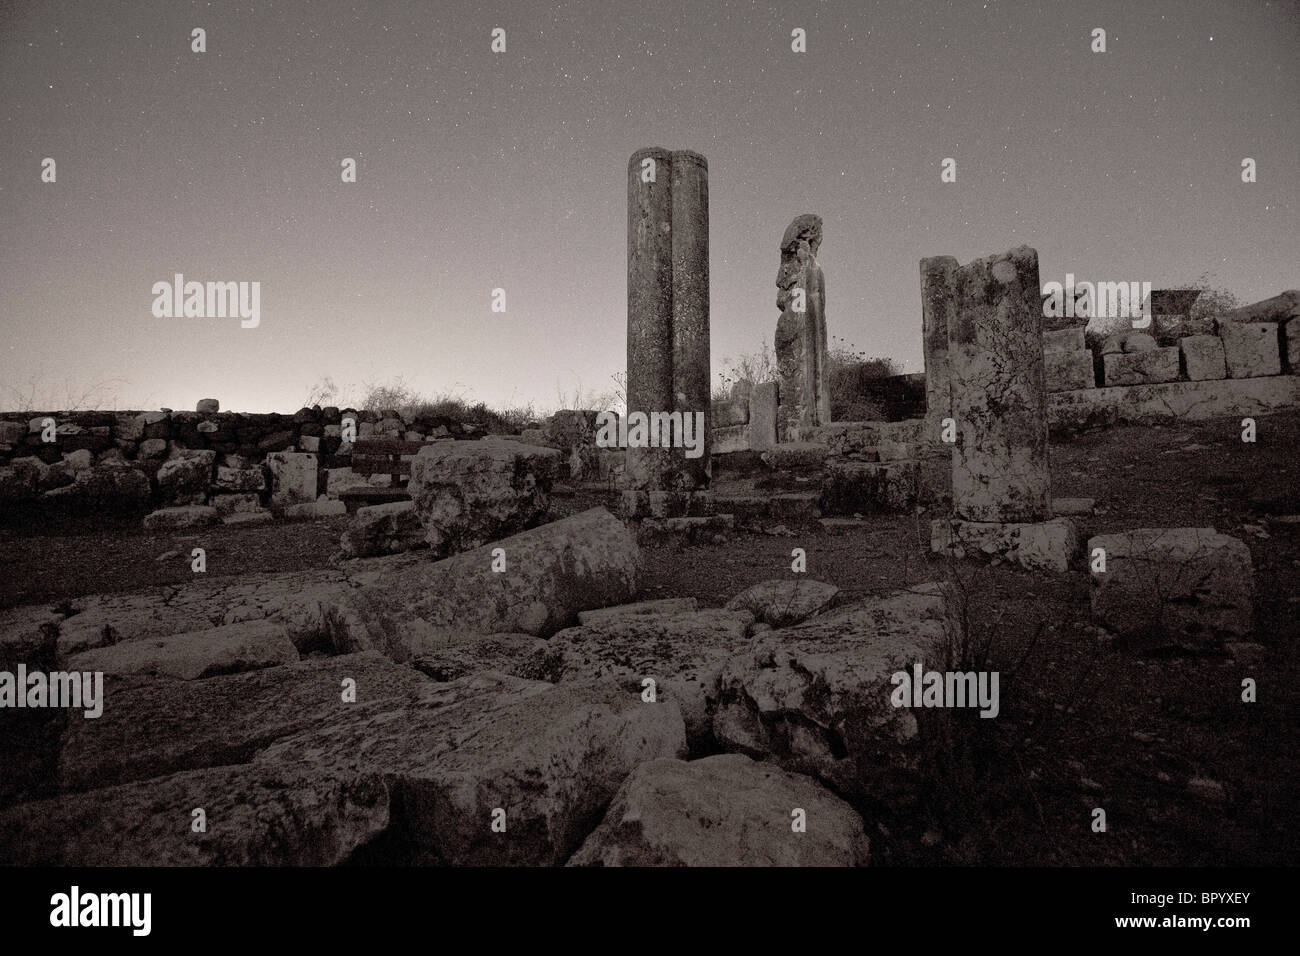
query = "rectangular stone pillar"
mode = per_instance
[
  {"x": 998, "y": 392},
  {"x": 763, "y": 402},
  {"x": 938, "y": 299}
]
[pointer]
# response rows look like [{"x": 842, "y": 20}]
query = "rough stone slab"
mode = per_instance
[
  {"x": 220, "y": 650},
  {"x": 261, "y": 516},
  {"x": 602, "y": 615},
  {"x": 1069, "y": 507},
  {"x": 185, "y": 516},
  {"x": 995, "y": 356},
  {"x": 1141, "y": 368},
  {"x": 724, "y": 810},
  {"x": 815, "y": 698},
  {"x": 1250, "y": 349},
  {"x": 681, "y": 653},
  {"x": 293, "y": 477},
  {"x": 1292, "y": 347},
  {"x": 256, "y": 816},
  {"x": 1280, "y": 308},
  {"x": 383, "y": 529},
  {"x": 763, "y": 404},
  {"x": 784, "y": 602},
  {"x": 470, "y": 654},
  {"x": 551, "y": 757},
  {"x": 1202, "y": 358},
  {"x": 552, "y": 572},
  {"x": 468, "y": 493},
  {"x": 1185, "y": 586},
  {"x": 796, "y": 456},
  {"x": 184, "y": 480},
  {"x": 316, "y": 509},
  {"x": 938, "y": 304},
  {"x": 1038, "y": 545},
  {"x": 1173, "y": 402},
  {"x": 1065, "y": 340},
  {"x": 151, "y": 727},
  {"x": 1067, "y": 371}
]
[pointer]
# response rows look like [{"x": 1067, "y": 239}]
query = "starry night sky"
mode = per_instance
[{"x": 479, "y": 170}]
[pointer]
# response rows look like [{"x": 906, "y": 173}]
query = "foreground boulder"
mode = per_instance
[
  {"x": 681, "y": 653},
  {"x": 153, "y": 727},
  {"x": 1188, "y": 587},
  {"x": 218, "y": 650},
  {"x": 725, "y": 810},
  {"x": 468, "y": 493},
  {"x": 816, "y": 697},
  {"x": 784, "y": 602},
  {"x": 405, "y": 604},
  {"x": 256, "y": 815},
  {"x": 383, "y": 529},
  {"x": 543, "y": 761}
]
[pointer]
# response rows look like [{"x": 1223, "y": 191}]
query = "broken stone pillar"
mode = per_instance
[
  {"x": 937, "y": 304},
  {"x": 999, "y": 399},
  {"x": 667, "y": 308},
  {"x": 801, "y": 351}
]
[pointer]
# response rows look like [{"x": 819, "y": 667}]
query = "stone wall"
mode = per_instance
[
  {"x": 1255, "y": 341},
  {"x": 133, "y": 462}
]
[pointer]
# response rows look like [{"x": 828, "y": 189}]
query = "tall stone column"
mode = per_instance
[
  {"x": 668, "y": 309},
  {"x": 690, "y": 308},
  {"x": 801, "y": 347},
  {"x": 649, "y": 302},
  {"x": 938, "y": 300},
  {"x": 999, "y": 397}
]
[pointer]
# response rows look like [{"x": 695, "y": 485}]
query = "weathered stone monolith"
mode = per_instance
[
  {"x": 668, "y": 309},
  {"x": 999, "y": 399},
  {"x": 649, "y": 301},
  {"x": 801, "y": 353}
]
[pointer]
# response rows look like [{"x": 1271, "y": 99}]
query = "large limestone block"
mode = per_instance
[
  {"x": 1066, "y": 371},
  {"x": 681, "y": 653},
  {"x": 550, "y": 757},
  {"x": 724, "y": 810},
  {"x": 293, "y": 478},
  {"x": 151, "y": 727},
  {"x": 383, "y": 529},
  {"x": 1141, "y": 368},
  {"x": 1280, "y": 308},
  {"x": 867, "y": 487},
  {"x": 1183, "y": 586},
  {"x": 1250, "y": 349},
  {"x": 1065, "y": 340},
  {"x": 257, "y": 815},
  {"x": 999, "y": 396},
  {"x": 184, "y": 480},
  {"x": 551, "y": 573},
  {"x": 1174, "y": 402},
  {"x": 467, "y": 493},
  {"x": 1039, "y": 545},
  {"x": 1202, "y": 358},
  {"x": 815, "y": 698},
  {"x": 220, "y": 650}
]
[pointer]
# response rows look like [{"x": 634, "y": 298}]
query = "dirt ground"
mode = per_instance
[{"x": 1083, "y": 724}]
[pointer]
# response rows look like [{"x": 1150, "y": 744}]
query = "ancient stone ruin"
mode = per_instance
[{"x": 801, "y": 355}]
